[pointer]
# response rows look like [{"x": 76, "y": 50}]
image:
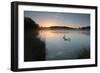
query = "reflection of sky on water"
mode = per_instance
[{"x": 58, "y": 48}]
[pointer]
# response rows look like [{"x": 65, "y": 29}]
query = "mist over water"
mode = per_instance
[
  {"x": 55, "y": 42},
  {"x": 66, "y": 44}
]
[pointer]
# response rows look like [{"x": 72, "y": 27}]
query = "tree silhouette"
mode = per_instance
[
  {"x": 29, "y": 24},
  {"x": 34, "y": 48}
]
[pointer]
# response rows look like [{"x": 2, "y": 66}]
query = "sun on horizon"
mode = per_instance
[{"x": 48, "y": 24}]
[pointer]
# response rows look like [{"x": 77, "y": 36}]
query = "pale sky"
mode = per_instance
[{"x": 47, "y": 19}]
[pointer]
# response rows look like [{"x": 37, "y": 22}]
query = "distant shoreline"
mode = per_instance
[{"x": 65, "y": 28}]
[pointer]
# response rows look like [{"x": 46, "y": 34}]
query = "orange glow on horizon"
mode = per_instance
[{"x": 48, "y": 24}]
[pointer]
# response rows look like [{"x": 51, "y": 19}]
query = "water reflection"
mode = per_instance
[
  {"x": 34, "y": 48},
  {"x": 46, "y": 45},
  {"x": 58, "y": 48}
]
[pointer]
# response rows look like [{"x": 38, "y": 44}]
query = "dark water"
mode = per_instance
[{"x": 58, "y": 45}]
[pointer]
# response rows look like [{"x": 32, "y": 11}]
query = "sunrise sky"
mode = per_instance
[{"x": 47, "y": 19}]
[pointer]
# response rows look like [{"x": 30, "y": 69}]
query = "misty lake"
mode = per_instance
[{"x": 66, "y": 44}]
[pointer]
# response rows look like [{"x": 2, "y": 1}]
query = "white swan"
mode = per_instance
[{"x": 65, "y": 38}]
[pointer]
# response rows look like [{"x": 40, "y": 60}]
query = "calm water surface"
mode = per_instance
[{"x": 66, "y": 44}]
